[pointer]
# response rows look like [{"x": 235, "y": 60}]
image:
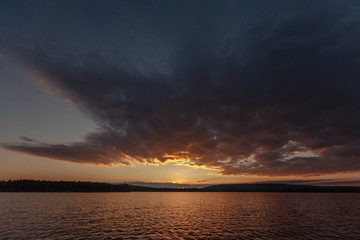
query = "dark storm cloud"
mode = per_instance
[{"x": 275, "y": 93}]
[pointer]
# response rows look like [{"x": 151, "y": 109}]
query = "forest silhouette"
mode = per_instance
[{"x": 78, "y": 186}]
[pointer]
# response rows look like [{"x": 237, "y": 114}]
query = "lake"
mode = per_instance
[{"x": 180, "y": 215}]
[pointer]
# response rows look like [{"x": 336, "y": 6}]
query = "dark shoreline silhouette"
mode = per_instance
[
  {"x": 77, "y": 186},
  {"x": 60, "y": 186}
]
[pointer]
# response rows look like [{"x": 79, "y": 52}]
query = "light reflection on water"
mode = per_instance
[{"x": 179, "y": 215}]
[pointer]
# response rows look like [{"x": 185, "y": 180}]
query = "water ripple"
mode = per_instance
[{"x": 179, "y": 215}]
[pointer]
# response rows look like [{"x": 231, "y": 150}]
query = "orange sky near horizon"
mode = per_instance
[{"x": 22, "y": 166}]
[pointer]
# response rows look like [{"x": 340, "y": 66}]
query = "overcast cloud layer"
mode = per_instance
[{"x": 248, "y": 87}]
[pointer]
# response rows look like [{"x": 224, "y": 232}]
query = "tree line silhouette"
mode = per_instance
[
  {"x": 60, "y": 186},
  {"x": 77, "y": 186}
]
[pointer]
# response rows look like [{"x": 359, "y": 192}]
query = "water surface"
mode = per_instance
[{"x": 179, "y": 215}]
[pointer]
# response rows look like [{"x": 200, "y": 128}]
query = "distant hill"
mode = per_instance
[
  {"x": 269, "y": 187},
  {"x": 72, "y": 186}
]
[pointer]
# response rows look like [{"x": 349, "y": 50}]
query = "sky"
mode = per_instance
[{"x": 180, "y": 92}]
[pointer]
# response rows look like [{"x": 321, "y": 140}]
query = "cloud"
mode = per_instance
[
  {"x": 202, "y": 181},
  {"x": 278, "y": 96},
  {"x": 27, "y": 139}
]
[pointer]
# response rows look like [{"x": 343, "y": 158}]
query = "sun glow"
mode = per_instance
[
  {"x": 183, "y": 158},
  {"x": 177, "y": 155}
]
